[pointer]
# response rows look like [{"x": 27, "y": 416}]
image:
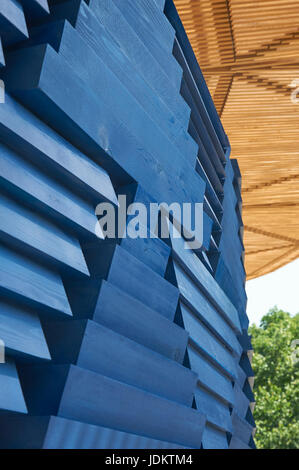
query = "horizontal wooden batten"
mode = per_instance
[
  {"x": 34, "y": 234},
  {"x": 127, "y": 361},
  {"x": 106, "y": 404},
  {"x": 53, "y": 432},
  {"x": 118, "y": 342},
  {"x": 23, "y": 279}
]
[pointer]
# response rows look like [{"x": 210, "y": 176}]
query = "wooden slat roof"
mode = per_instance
[{"x": 248, "y": 51}]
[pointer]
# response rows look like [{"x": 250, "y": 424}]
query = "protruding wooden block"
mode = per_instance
[
  {"x": 52, "y": 432},
  {"x": 129, "y": 317},
  {"x": 206, "y": 282},
  {"x": 11, "y": 395},
  {"x": 35, "y": 8},
  {"x": 137, "y": 18},
  {"x": 206, "y": 342},
  {"x": 217, "y": 413},
  {"x": 214, "y": 438},
  {"x": 242, "y": 429},
  {"x": 21, "y": 332},
  {"x": 82, "y": 395},
  {"x": 143, "y": 61},
  {"x": 2, "y": 60},
  {"x": 38, "y": 143},
  {"x": 30, "y": 184},
  {"x": 112, "y": 54},
  {"x": 210, "y": 377},
  {"x": 95, "y": 347},
  {"x": 110, "y": 262},
  {"x": 12, "y": 22},
  {"x": 29, "y": 282},
  {"x": 204, "y": 310}
]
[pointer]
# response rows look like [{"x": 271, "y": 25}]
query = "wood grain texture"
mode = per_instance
[
  {"x": 21, "y": 331},
  {"x": 32, "y": 282},
  {"x": 108, "y": 353}
]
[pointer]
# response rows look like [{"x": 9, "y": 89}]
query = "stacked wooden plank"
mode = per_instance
[{"x": 93, "y": 110}]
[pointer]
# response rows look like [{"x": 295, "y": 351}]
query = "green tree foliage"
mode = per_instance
[{"x": 276, "y": 381}]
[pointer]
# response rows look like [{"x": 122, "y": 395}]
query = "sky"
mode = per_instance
[{"x": 279, "y": 288}]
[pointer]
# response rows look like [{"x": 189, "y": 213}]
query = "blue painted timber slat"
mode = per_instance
[
  {"x": 242, "y": 428},
  {"x": 35, "y": 8},
  {"x": 101, "y": 80},
  {"x": 241, "y": 376},
  {"x": 160, "y": 4},
  {"x": 83, "y": 395},
  {"x": 30, "y": 184},
  {"x": 52, "y": 432},
  {"x": 237, "y": 443},
  {"x": 113, "y": 56},
  {"x": 21, "y": 332},
  {"x": 142, "y": 59},
  {"x": 11, "y": 396},
  {"x": 12, "y": 22},
  {"x": 129, "y": 317},
  {"x": 110, "y": 261},
  {"x": 95, "y": 347},
  {"x": 207, "y": 344},
  {"x": 29, "y": 281},
  {"x": 30, "y": 137},
  {"x": 210, "y": 195},
  {"x": 96, "y": 437},
  {"x": 77, "y": 123},
  {"x": 241, "y": 401},
  {"x": 122, "y": 343},
  {"x": 2, "y": 59},
  {"x": 214, "y": 438},
  {"x": 175, "y": 21},
  {"x": 210, "y": 377},
  {"x": 205, "y": 161},
  {"x": 133, "y": 16},
  {"x": 151, "y": 250},
  {"x": 202, "y": 131},
  {"x": 246, "y": 365},
  {"x": 203, "y": 310},
  {"x": 197, "y": 271},
  {"x": 126, "y": 315},
  {"x": 156, "y": 21},
  {"x": 142, "y": 196},
  {"x": 196, "y": 96},
  {"x": 217, "y": 413},
  {"x": 30, "y": 232},
  {"x": 224, "y": 279}
]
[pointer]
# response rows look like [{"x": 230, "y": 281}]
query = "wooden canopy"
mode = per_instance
[{"x": 248, "y": 51}]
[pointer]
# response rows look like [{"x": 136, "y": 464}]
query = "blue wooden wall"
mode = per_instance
[{"x": 127, "y": 344}]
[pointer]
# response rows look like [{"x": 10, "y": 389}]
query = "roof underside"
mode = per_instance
[{"x": 249, "y": 54}]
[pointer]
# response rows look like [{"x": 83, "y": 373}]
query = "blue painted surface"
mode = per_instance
[
  {"x": 11, "y": 395},
  {"x": 104, "y": 351},
  {"x": 109, "y": 402},
  {"x": 35, "y": 8},
  {"x": 104, "y": 99},
  {"x": 2, "y": 59},
  {"x": 12, "y": 22},
  {"x": 52, "y": 432}
]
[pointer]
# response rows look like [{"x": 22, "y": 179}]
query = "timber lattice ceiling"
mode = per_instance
[{"x": 248, "y": 51}]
